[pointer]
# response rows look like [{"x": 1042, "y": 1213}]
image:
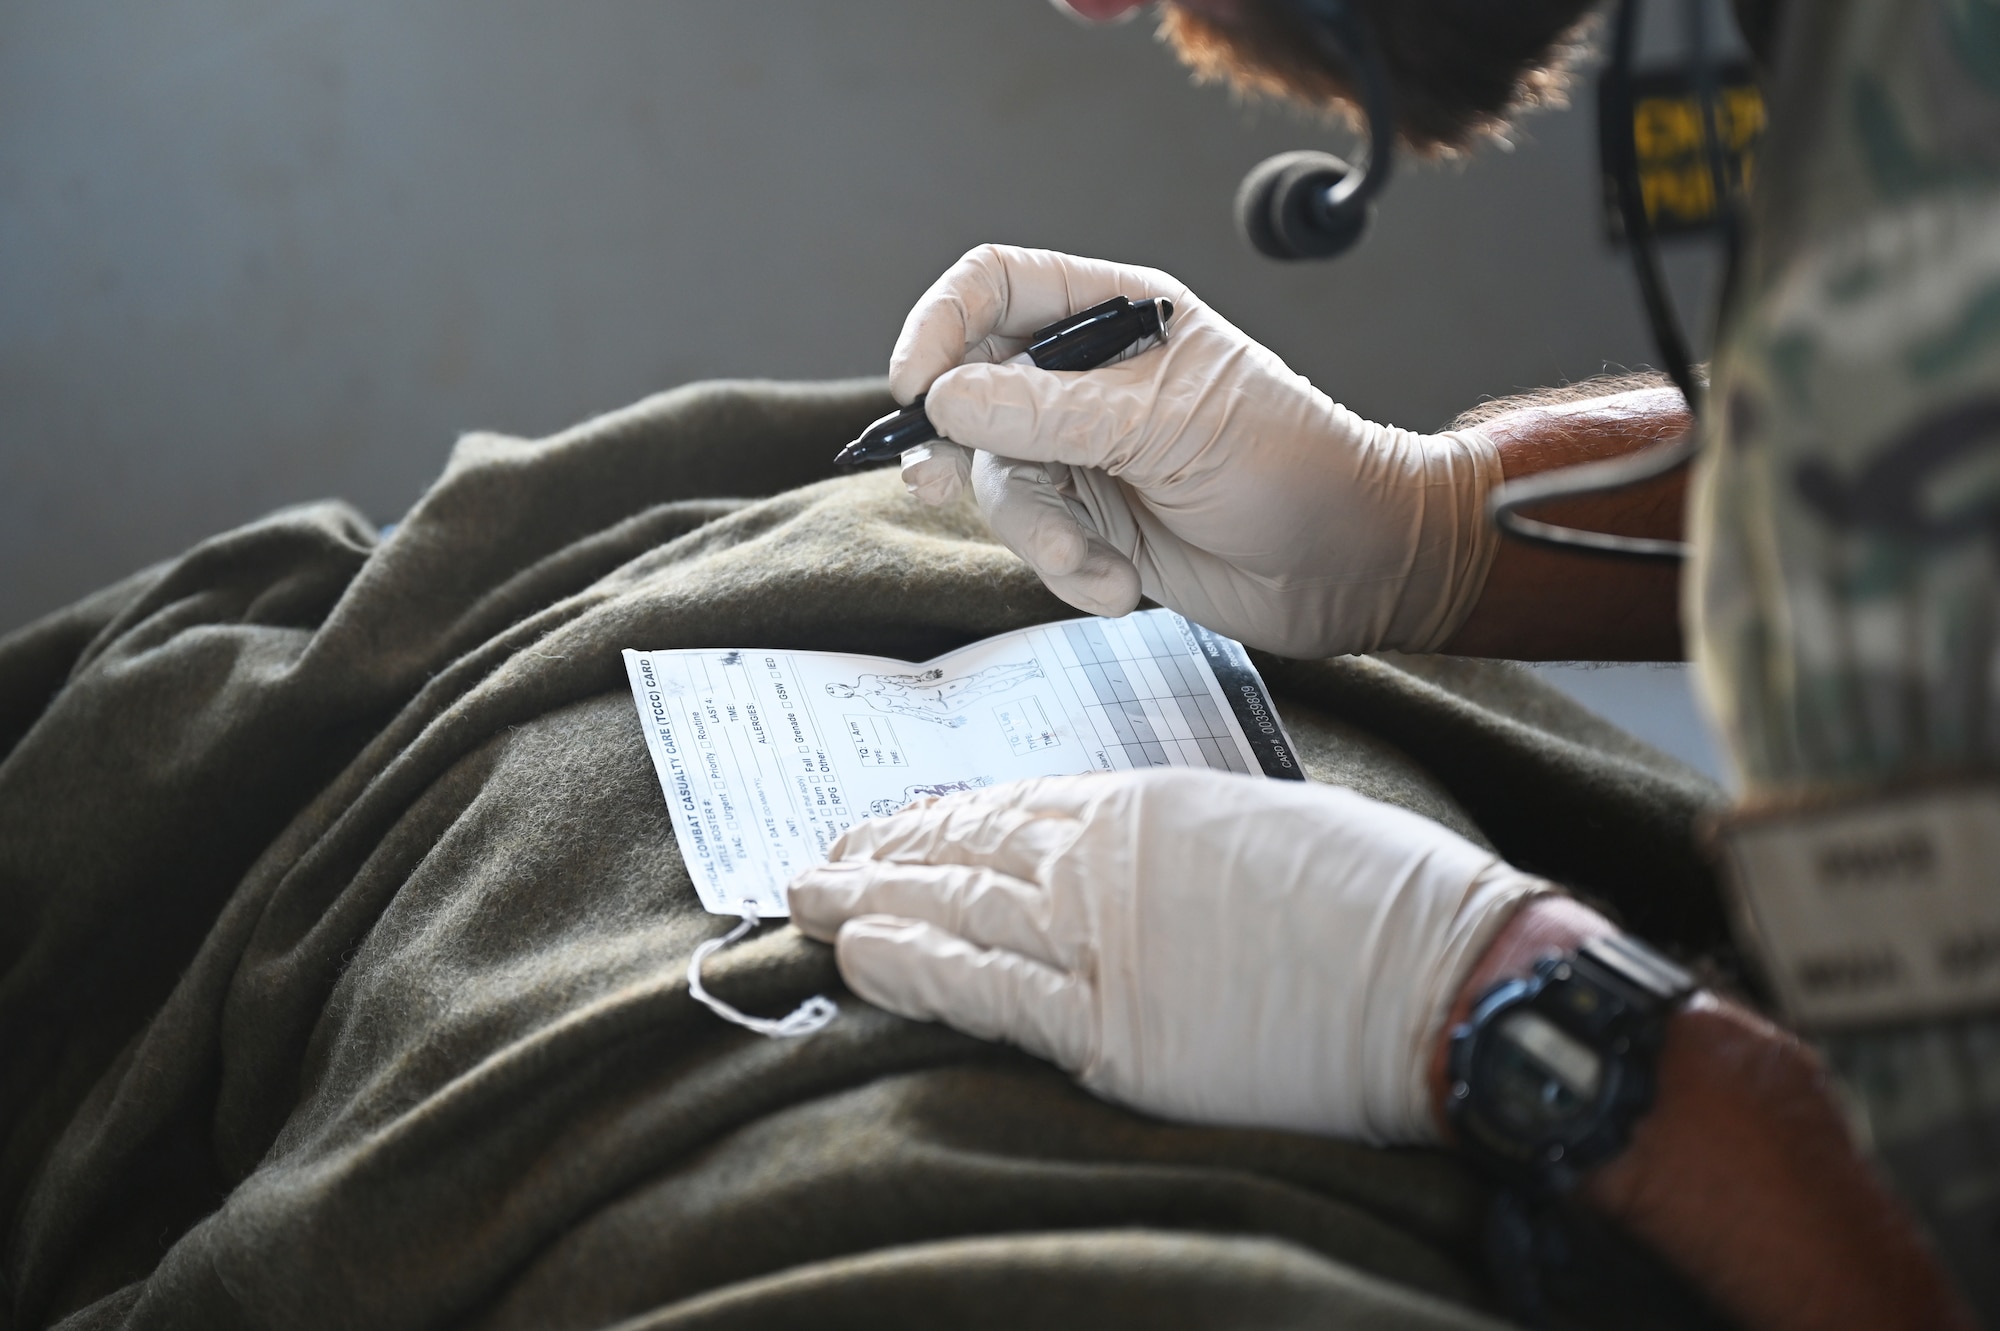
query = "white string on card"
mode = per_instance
[{"x": 807, "y": 1017}]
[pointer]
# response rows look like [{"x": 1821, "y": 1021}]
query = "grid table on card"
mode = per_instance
[{"x": 1152, "y": 700}]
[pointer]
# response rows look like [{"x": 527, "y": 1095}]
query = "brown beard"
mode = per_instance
[{"x": 1460, "y": 69}]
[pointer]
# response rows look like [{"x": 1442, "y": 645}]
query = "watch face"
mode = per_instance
[{"x": 1540, "y": 1080}]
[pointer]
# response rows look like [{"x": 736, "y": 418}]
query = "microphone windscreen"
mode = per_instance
[{"x": 1282, "y": 210}]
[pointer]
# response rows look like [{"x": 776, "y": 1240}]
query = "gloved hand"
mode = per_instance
[
  {"x": 1199, "y": 945},
  {"x": 1201, "y": 472}
]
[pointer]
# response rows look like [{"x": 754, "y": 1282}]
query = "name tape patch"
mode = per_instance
[{"x": 1870, "y": 912}]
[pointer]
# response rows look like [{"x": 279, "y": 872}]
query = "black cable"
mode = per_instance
[
  {"x": 1345, "y": 38},
  {"x": 1640, "y": 239},
  {"x": 1659, "y": 459},
  {"x": 1588, "y": 478}
]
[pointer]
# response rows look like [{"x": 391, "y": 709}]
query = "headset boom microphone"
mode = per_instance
[{"x": 1313, "y": 205}]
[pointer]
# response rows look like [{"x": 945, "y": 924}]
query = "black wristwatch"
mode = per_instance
[{"x": 1549, "y": 1073}]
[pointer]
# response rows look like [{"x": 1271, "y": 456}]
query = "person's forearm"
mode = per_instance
[
  {"x": 1544, "y": 604},
  {"x": 1743, "y": 1174}
]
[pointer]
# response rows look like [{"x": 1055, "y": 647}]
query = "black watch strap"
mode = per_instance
[
  {"x": 1651, "y": 983},
  {"x": 1612, "y": 996}
]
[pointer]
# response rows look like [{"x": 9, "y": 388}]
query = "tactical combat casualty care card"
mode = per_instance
[{"x": 767, "y": 756}]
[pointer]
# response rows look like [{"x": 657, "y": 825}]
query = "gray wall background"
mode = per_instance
[{"x": 260, "y": 251}]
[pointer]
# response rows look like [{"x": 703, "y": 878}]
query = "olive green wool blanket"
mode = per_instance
[{"x": 343, "y": 939}]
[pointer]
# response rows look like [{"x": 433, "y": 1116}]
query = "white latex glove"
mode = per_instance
[
  {"x": 1199, "y": 945},
  {"x": 1201, "y": 472}
]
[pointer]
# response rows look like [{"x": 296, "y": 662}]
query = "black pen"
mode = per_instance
[{"x": 1083, "y": 341}]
